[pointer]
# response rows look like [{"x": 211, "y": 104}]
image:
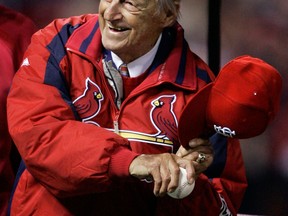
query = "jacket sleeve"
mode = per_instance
[
  {"x": 217, "y": 192},
  {"x": 227, "y": 174},
  {"x": 65, "y": 155}
]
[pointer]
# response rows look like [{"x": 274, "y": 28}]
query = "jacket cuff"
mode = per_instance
[{"x": 120, "y": 162}]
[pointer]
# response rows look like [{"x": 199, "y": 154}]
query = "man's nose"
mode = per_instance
[{"x": 113, "y": 11}]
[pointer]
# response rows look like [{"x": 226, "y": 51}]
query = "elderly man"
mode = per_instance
[{"x": 94, "y": 113}]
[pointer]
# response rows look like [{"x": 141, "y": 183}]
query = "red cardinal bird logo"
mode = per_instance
[
  {"x": 163, "y": 117},
  {"x": 89, "y": 103}
]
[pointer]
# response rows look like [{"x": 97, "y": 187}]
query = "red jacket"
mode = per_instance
[
  {"x": 15, "y": 33},
  {"x": 77, "y": 145}
]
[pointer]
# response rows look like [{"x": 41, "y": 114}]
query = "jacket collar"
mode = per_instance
[
  {"x": 169, "y": 65},
  {"x": 87, "y": 39}
]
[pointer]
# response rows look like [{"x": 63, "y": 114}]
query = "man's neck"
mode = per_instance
[{"x": 141, "y": 64}]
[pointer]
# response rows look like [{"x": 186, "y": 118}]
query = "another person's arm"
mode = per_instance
[{"x": 225, "y": 178}]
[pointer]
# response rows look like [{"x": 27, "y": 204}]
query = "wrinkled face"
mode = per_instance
[{"x": 130, "y": 28}]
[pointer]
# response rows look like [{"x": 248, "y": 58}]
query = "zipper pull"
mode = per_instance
[{"x": 116, "y": 127}]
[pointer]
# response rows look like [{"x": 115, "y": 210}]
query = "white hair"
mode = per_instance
[{"x": 169, "y": 6}]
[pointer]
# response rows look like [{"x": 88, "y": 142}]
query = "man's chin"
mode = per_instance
[{"x": 113, "y": 46}]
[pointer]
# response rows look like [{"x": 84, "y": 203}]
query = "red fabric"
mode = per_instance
[
  {"x": 131, "y": 83},
  {"x": 245, "y": 97},
  {"x": 240, "y": 103},
  {"x": 15, "y": 33},
  {"x": 81, "y": 167}
]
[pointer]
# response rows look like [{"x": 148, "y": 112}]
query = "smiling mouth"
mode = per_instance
[{"x": 118, "y": 29}]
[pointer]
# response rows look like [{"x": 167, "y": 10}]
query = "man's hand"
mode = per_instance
[
  {"x": 197, "y": 146},
  {"x": 163, "y": 169}
]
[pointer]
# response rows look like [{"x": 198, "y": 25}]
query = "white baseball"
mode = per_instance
[{"x": 184, "y": 188}]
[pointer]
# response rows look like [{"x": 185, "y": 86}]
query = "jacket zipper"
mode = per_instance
[
  {"x": 117, "y": 111},
  {"x": 115, "y": 123},
  {"x": 133, "y": 94}
]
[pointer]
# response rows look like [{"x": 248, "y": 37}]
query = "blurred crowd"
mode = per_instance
[{"x": 258, "y": 28}]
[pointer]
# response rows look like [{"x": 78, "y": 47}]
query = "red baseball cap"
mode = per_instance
[{"x": 240, "y": 103}]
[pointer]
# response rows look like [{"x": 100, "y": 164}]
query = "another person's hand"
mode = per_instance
[
  {"x": 163, "y": 169},
  {"x": 198, "y": 148}
]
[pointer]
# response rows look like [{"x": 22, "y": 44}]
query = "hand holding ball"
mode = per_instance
[{"x": 184, "y": 188}]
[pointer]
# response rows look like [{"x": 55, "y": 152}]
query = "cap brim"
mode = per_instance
[{"x": 192, "y": 121}]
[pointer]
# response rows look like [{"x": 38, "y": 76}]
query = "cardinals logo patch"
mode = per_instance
[
  {"x": 164, "y": 121},
  {"x": 88, "y": 104},
  {"x": 163, "y": 118}
]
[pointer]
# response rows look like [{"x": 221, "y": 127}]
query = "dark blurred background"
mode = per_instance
[{"x": 258, "y": 28}]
